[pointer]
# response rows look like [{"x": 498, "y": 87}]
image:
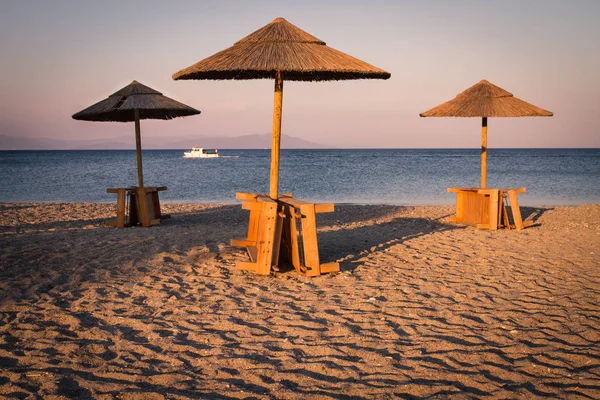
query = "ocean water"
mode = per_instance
[{"x": 369, "y": 176}]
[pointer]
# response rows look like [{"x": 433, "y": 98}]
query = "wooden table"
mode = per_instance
[
  {"x": 489, "y": 208},
  {"x": 144, "y": 206},
  {"x": 282, "y": 231}
]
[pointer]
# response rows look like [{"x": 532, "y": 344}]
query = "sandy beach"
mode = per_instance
[{"x": 421, "y": 308}]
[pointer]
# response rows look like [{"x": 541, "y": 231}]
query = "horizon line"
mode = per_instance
[{"x": 321, "y": 148}]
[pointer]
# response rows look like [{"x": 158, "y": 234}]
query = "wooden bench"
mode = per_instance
[
  {"x": 264, "y": 233},
  {"x": 143, "y": 209},
  {"x": 510, "y": 210},
  {"x": 300, "y": 245},
  {"x": 280, "y": 232},
  {"x": 489, "y": 208}
]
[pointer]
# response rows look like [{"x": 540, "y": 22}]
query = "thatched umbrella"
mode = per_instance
[
  {"x": 280, "y": 51},
  {"x": 132, "y": 103},
  {"x": 485, "y": 100}
]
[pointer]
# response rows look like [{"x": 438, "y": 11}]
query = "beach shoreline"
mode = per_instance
[{"x": 421, "y": 307}]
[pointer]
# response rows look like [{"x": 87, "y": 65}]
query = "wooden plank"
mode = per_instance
[
  {"x": 493, "y": 209},
  {"x": 517, "y": 191},
  {"x": 459, "y": 206},
  {"x": 457, "y": 190},
  {"x": 151, "y": 207},
  {"x": 112, "y": 190},
  {"x": 309, "y": 239},
  {"x": 319, "y": 208},
  {"x": 324, "y": 208},
  {"x": 330, "y": 267},
  {"x": 242, "y": 242},
  {"x": 471, "y": 207},
  {"x": 520, "y": 190},
  {"x": 245, "y": 196},
  {"x": 253, "y": 222},
  {"x": 294, "y": 245},
  {"x": 264, "y": 198},
  {"x": 293, "y": 202},
  {"x": 516, "y": 211},
  {"x": 252, "y": 206},
  {"x": 246, "y": 266},
  {"x": 277, "y": 239},
  {"x": 266, "y": 237},
  {"x": 155, "y": 204},
  {"x": 120, "y": 208},
  {"x": 478, "y": 210},
  {"x": 142, "y": 207},
  {"x": 112, "y": 223}
]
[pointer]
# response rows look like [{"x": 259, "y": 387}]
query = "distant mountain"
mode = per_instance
[
  {"x": 223, "y": 142},
  {"x": 17, "y": 143},
  {"x": 156, "y": 143}
]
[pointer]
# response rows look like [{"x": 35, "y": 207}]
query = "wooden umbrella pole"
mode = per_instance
[
  {"x": 276, "y": 140},
  {"x": 138, "y": 148},
  {"x": 483, "y": 152}
]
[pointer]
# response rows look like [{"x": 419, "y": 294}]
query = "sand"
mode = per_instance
[{"x": 421, "y": 308}]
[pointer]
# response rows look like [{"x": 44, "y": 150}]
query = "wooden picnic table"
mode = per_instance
[
  {"x": 488, "y": 208},
  {"x": 282, "y": 231},
  {"x": 143, "y": 209}
]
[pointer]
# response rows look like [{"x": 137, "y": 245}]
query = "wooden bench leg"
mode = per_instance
[
  {"x": 267, "y": 239},
  {"x": 485, "y": 209},
  {"x": 253, "y": 224},
  {"x": 155, "y": 205},
  {"x": 119, "y": 222},
  {"x": 309, "y": 240},
  {"x": 121, "y": 208},
  {"x": 516, "y": 211},
  {"x": 294, "y": 246},
  {"x": 264, "y": 235},
  {"x": 142, "y": 207},
  {"x": 494, "y": 204}
]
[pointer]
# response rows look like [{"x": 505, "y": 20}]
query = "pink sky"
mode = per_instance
[{"x": 59, "y": 57}]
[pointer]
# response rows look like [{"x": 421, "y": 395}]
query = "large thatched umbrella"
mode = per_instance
[
  {"x": 132, "y": 103},
  {"x": 280, "y": 51},
  {"x": 485, "y": 100}
]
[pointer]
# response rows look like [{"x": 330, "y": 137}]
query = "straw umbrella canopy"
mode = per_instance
[
  {"x": 485, "y": 100},
  {"x": 132, "y": 103},
  {"x": 280, "y": 51}
]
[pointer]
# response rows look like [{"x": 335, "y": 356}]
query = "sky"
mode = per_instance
[{"x": 59, "y": 57}]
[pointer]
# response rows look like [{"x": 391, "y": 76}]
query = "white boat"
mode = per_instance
[{"x": 198, "y": 152}]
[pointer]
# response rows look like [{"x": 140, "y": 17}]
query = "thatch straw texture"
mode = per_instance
[
  {"x": 486, "y": 100},
  {"x": 120, "y": 106},
  {"x": 281, "y": 46}
]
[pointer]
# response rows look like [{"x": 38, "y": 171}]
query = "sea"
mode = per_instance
[{"x": 357, "y": 176}]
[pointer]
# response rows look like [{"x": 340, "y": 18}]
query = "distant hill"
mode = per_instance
[{"x": 156, "y": 143}]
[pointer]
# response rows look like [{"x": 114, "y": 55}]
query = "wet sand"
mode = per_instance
[{"x": 421, "y": 308}]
